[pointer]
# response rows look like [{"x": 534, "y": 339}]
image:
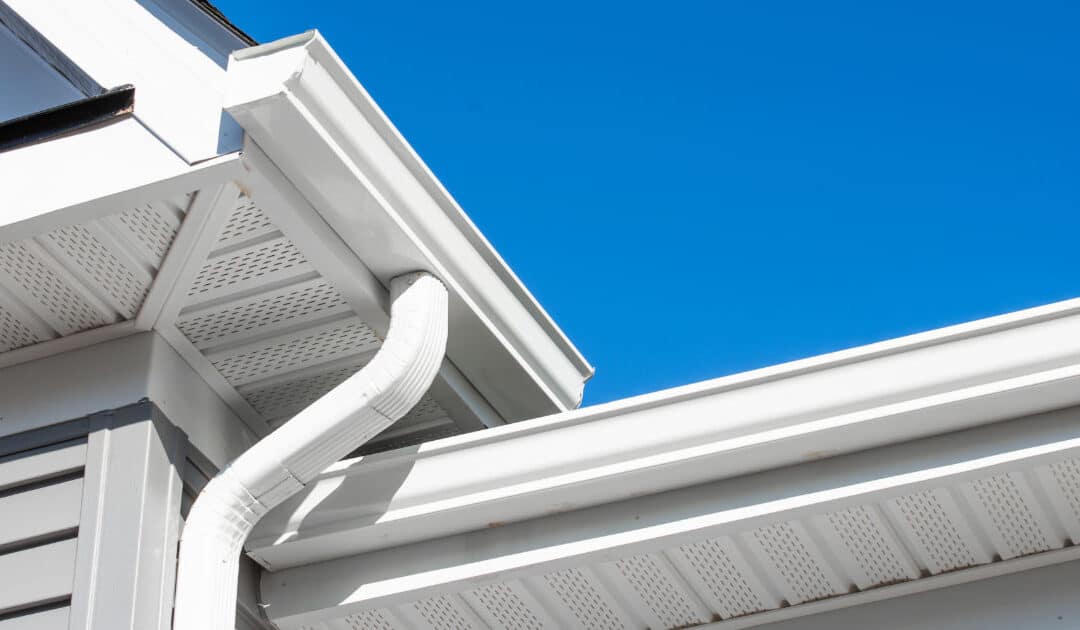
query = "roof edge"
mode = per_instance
[
  {"x": 914, "y": 387},
  {"x": 68, "y": 118},
  {"x": 299, "y": 86}
]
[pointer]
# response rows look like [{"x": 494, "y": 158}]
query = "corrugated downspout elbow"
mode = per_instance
[{"x": 282, "y": 463}]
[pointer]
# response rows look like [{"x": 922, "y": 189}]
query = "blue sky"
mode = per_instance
[{"x": 694, "y": 189}]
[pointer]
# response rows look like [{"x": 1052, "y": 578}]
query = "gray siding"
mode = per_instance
[
  {"x": 41, "y": 492},
  {"x": 90, "y": 514},
  {"x": 89, "y": 517}
]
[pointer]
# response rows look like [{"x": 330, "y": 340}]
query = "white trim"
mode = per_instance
[
  {"x": 210, "y": 209},
  {"x": 101, "y": 188},
  {"x": 886, "y": 393},
  {"x": 322, "y": 247},
  {"x": 77, "y": 178},
  {"x": 61, "y": 345},
  {"x": 299, "y": 103},
  {"x": 730, "y": 508},
  {"x": 178, "y": 257}
]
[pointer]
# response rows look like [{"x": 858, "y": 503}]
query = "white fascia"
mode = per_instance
[
  {"x": 895, "y": 391},
  {"x": 593, "y": 540},
  {"x": 302, "y": 107},
  {"x": 95, "y": 173}
]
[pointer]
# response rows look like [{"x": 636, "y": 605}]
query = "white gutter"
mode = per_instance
[
  {"x": 300, "y": 105},
  {"x": 284, "y": 462},
  {"x": 937, "y": 382}
]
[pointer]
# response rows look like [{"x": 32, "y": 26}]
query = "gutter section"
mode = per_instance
[
  {"x": 929, "y": 384},
  {"x": 301, "y": 106}
]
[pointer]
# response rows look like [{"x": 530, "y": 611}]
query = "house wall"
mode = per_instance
[
  {"x": 90, "y": 526},
  {"x": 1038, "y": 599},
  {"x": 42, "y": 478},
  {"x": 91, "y": 507}
]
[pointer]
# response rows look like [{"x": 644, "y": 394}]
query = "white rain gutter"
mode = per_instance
[
  {"x": 300, "y": 105},
  {"x": 282, "y": 463},
  {"x": 941, "y": 381}
]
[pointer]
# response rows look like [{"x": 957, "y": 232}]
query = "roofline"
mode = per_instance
[
  {"x": 918, "y": 386},
  {"x": 300, "y": 105},
  {"x": 793, "y": 503},
  {"x": 68, "y": 118},
  {"x": 215, "y": 14}
]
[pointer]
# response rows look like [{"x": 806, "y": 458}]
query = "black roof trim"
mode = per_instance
[
  {"x": 216, "y": 13},
  {"x": 64, "y": 119}
]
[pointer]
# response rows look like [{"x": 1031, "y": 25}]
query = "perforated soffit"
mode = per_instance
[
  {"x": 274, "y": 328},
  {"x": 276, "y": 333},
  {"x": 877, "y": 540},
  {"x": 80, "y": 277}
]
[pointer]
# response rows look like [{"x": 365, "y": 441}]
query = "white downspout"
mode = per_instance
[{"x": 283, "y": 462}]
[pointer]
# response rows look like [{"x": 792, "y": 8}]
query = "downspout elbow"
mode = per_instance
[{"x": 282, "y": 463}]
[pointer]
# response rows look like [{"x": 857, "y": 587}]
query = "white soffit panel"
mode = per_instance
[
  {"x": 271, "y": 333},
  {"x": 84, "y": 276},
  {"x": 731, "y": 554},
  {"x": 246, "y": 304}
]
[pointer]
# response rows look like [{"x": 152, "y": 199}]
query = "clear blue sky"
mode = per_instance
[{"x": 696, "y": 189}]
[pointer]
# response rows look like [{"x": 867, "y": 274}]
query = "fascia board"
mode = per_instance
[
  {"x": 302, "y": 107},
  {"x": 317, "y": 592},
  {"x": 94, "y": 173},
  {"x": 924, "y": 385}
]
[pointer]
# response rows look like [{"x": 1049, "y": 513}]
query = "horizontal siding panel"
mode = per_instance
[
  {"x": 40, "y": 512},
  {"x": 51, "y": 619},
  {"x": 37, "y": 575},
  {"x": 24, "y": 468}
]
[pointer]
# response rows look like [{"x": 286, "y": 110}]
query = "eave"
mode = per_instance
[
  {"x": 240, "y": 271},
  {"x": 895, "y": 391},
  {"x": 773, "y": 451},
  {"x": 735, "y": 553},
  {"x": 300, "y": 105}
]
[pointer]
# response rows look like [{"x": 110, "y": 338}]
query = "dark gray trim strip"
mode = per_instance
[
  {"x": 44, "y": 436},
  {"x": 64, "y": 119},
  {"x": 220, "y": 18},
  {"x": 72, "y": 429}
]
